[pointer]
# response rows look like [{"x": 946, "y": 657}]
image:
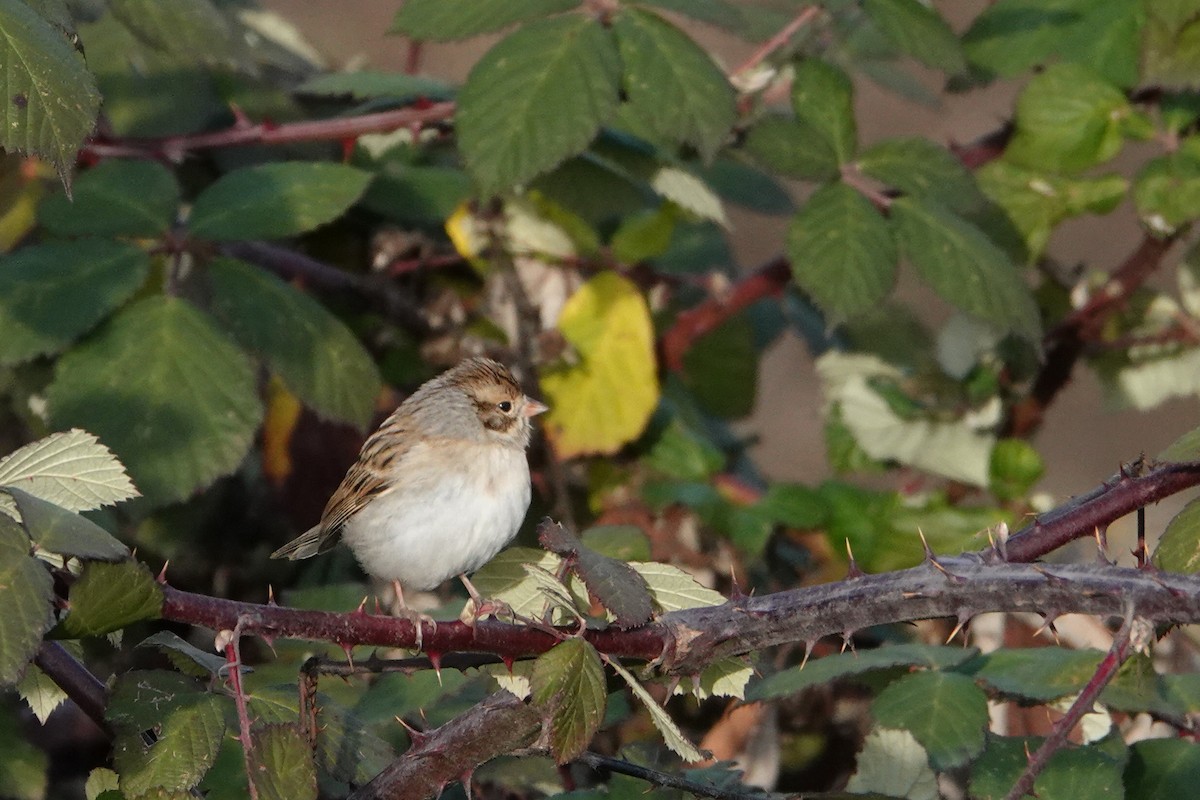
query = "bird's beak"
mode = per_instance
[{"x": 533, "y": 407}]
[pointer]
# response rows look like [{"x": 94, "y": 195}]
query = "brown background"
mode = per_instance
[{"x": 1082, "y": 442}]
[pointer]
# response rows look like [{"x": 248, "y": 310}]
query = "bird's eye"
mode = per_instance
[{"x": 504, "y": 406}]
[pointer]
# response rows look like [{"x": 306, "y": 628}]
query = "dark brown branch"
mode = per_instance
[
  {"x": 1122, "y": 494},
  {"x": 768, "y": 280},
  {"x": 1117, "y": 655},
  {"x": 1065, "y": 343},
  {"x": 659, "y": 778},
  {"x": 174, "y": 148},
  {"x": 499, "y": 725},
  {"x": 70, "y": 675}
]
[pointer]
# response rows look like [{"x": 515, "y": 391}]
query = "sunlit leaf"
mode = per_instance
[
  {"x": 54, "y": 529},
  {"x": 605, "y": 400},
  {"x": 673, "y": 589},
  {"x": 671, "y": 734},
  {"x": 70, "y": 469},
  {"x": 893, "y": 763},
  {"x": 282, "y": 764}
]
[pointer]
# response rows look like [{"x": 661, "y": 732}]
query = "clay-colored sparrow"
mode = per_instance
[{"x": 440, "y": 488}]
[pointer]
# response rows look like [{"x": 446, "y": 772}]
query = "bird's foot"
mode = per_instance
[
  {"x": 418, "y": 619},
  {"x": 479, "y": 608}
]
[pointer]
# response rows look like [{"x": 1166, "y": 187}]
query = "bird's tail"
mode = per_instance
[{"x": 306, "y": 545}]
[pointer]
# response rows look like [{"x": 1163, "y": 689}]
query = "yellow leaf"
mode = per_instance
[
  {"x": 605, "y": 400},
  {"x": 283, "y": 413},
  {"x": 466, "y": 233},
  {"x": 20, "y": 190}
]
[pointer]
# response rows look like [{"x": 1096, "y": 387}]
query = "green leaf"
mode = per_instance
[
  {"x": 1068, "y": 119},
  {"x": 671, "y": 734},
  {"x": 842, "y": 252},
  {"x": 673, "y": 589},
  {"x": 1171, "y": 44},
  {"x": 315, "y": 354},
  {"x": 347, "y": 749},
  {"x": 26, "y": 590},
  {"x": 173, "y": 397},
  {"x": 56, "y": 530},
  {"x": 848, "y": 665},
  {"x": 1038, "y": 201},
  {"x": 23, "y": 775},
  {"x": 945, "y": 711},
  {"x": 793, "y": 505},
  {"x": 1016, "y": 466},
  {"x": 417, "y": 194},
  {"x": 1167, "y": 190},
  {"x": 70, "y": 469},
  {"x": 185, "y": 657},
  {"x": 271, "y": 201},
  {"x": 1162, "y": 768},
  {"x": 964, "y": 267},
  {"x": 611, "y": 581},
  {"x": 1039, "y": 674},
  {"x": 743, "y": 184},
  {"x": 108, "y": 597},
  {"x": 1178, "y": 550},
  {"x": 672, "y": 87},
  {"x": 115, "y": 198},
  {"x": 281, "y": 764},
  {"x": 568, "y": 688},
  {"x": 41, "y": 694},
  {"x": 536, "y": 98},
  {"x": 187, "y": 724},
  {"x": 53, "y": 293},
  {"x": 919, "y": 31},
  {"x": 823, "y": 98},
  {"x": 1070, "y": 773},
  {"x": 366, "y": 84},
  {"x": 1185, "y": 448},
  {"x": 1010, "y": 36},
  {"x": 721, "y": 368},
  {"x": 447, "y": 20},
  {"x": 50, "y": 97},
  {"x": 892, "y": 763},
  {"x": 100, "y": 780},
  {"x": 791, "y": 148},
  {"x": 920, "y": 168},
  {"x": 682, "y": 453},
  {"x": 642, "y": 236},
  {"x": 193, "y": 29},
  {"x": 626, "y": 542}
]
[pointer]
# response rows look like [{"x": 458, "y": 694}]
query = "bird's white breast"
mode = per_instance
[{"x": 452, "y": 508}]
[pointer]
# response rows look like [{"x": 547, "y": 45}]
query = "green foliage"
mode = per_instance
[
  {"x": 567, "y": 63},
  {"x": 572, "y": 209},
  {"x": 135, "y": 367},
  {"x": 567, "y": 685},
  {"x": 50, "y": 97},
  {"x": 275, "y": 200}
]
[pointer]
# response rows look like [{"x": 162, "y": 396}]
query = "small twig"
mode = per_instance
[
  {"x": 806, "y": 15},
  {"x": 233, "y": 665},
  {"x": 76, "y": 680},
  {"x": 174, "y": 148},
  {"x": 768, "y": 280},
  {"x": 659, "y": 778},
  {"x": 1117, "y": 655}
]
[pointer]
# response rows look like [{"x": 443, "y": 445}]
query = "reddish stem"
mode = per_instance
[
  {"x": 174, "y": 148},
  {"x": 233, "y": 662}
]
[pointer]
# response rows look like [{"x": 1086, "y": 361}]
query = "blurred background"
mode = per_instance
[{"x": 1082, "y": 441}]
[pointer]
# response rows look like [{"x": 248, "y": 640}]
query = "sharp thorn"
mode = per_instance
[
  {"x": 808, "y": 648},
  {"x": 271, "y": 595},
  {"x": 415, "y": 736},
  {"x": 853, "y": 571},
  {"x": 162, "y": 574},
  {"x": 348, "y": 649},
  {"x": 961, "y": 626},
  {"x": 435, "y": 660},
  {"x": 925, "y": 545}
]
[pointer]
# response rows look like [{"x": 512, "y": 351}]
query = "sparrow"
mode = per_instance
[{"x": 440, "y": 488}]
